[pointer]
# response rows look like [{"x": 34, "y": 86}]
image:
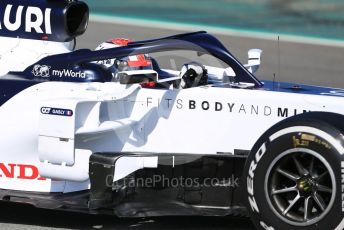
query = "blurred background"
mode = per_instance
[
  {"x": 311, "y": 32},
  {"x": 311, "y": 18}
]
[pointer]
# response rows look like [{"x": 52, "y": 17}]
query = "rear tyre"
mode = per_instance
[{"x": 293, "y": 175}]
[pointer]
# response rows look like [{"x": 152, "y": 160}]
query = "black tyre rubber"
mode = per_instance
[{"x": 293, "y": 175}]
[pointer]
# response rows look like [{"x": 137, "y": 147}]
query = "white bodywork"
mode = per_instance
[
  {"x": 110, "y": 117},
  {"x": 16, "y": 54},
  {"x": 46, "y": 152}
]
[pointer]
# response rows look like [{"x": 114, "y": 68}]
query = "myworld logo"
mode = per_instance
[
  {"x": 41, "y": 71},
  {"x": 34, "y": 19},
  {"x": 69, "y": 73}
]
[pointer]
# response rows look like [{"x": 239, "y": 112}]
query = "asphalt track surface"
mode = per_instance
[{"x": 301, "y": 63}]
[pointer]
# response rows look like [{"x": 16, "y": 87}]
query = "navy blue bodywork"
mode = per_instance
[
  {"x": 82, "y": 62},
  {"x": 286, "y": 87},
  {"x": 11, "y": 85},
  {"x": 199, "y": 41}
]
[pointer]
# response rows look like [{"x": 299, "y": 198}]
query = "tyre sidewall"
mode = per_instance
[{"x": 263, "y": 154}]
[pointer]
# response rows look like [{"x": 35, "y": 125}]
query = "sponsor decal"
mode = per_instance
[
  {"x": 34, "y": 18},
  {"x": 45, "y": 71},
  {"x": 41, "y": 71},
  {"x": 57, "y": 111},
  {"x": 19, "y": 171},
  {"x": 229, "y": 107},
  {"x": 69, "y": 73},
  {"x": 250, "y": 188}
]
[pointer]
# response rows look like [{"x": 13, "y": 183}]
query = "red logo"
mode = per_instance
[{"x": 20, "y": 171}]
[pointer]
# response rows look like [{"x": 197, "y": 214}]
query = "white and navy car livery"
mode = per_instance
[{"x": 194, "y": 133}]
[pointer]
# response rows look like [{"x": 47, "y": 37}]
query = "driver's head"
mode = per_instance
[
  {"x": 193, "y": 74},
  {"x": 130, "y": 63}
]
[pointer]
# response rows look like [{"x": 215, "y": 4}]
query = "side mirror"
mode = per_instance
[{"x": 254, "y": 56}]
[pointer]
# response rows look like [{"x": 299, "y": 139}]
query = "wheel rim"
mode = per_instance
[{"x": 300, "y": 187}]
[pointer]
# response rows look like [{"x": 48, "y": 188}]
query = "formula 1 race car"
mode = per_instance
[{"x": 170, "y": 126}]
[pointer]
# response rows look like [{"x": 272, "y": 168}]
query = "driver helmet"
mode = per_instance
[{"x": 130, "y": 63}]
